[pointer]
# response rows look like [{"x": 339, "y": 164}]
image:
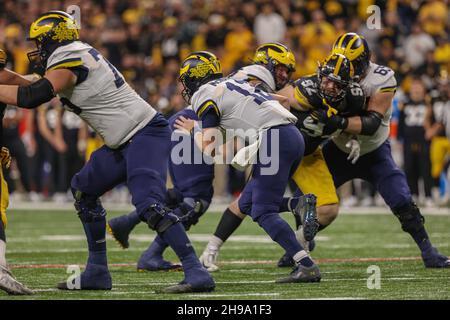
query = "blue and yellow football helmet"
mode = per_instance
[
  {"x": 273, "y": 54},
  {"x": 356, "y": 49},
  {"x": 49, "y": 31},
  {"x": 197, "y": 69}
]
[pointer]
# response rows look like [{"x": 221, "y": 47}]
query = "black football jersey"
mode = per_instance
[{"x": 307, "y": 94}]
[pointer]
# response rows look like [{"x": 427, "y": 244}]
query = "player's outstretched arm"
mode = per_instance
[
  {"x": 10, "y": 77},
  {"x": 33, "y": 95},
  {"x": 368, "y": 124}
]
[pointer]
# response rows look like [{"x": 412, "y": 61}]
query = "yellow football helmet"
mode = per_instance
[
  {"x": 273, "y": 54},
  {"x": 49, "y": 31},
  {"x": 197, "y": 69}
]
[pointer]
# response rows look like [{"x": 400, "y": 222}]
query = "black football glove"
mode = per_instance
[{"x": 333, "y": 123}]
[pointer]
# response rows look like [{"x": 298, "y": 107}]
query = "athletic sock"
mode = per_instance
[
  {"x": 176, "y": 237},
  {"x": 214, "y": 243},
  {"x": 157, "y": 247},
  {"x": 227, "y": 225},
  {"x": 280, "y": 232},
  {"x": 421, "y": 238},
  {"x": 95, "y": 234},
  {"x": 2, "y": 245},
  {"x": 303, "y": 258},
  {"x": 2, "y": 253}
]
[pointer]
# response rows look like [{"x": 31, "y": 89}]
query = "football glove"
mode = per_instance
[
  {"x": 355, "y": 150},
  {"x": 333, "y": 121}
]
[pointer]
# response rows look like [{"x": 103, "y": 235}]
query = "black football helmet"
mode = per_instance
[{"x": 338, "y": 69}]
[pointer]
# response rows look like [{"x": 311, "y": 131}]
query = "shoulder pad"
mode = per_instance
[
  {"x": 256, "y": 71},
  {"x": 306, "y": 92},
  {"x": 379, "y": 78}
]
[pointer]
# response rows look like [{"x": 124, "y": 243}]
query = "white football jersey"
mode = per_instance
[
  {"x": 378, "y": 79},
  {"x": 103, "y": 99},
  {"x": 240, "y": 106},
  {"x": 256, "y": 72}
]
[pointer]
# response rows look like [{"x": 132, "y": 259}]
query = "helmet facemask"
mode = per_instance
[{"x": 332, "y": 88}]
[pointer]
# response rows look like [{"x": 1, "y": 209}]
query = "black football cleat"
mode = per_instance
[
  {"x": 302, "y": 274},
  {"x": 434, "y": 259},
  {"x": 306, "y": 210}
]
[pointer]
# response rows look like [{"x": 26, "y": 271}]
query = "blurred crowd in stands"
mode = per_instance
[{"x": 147, "y": 39}]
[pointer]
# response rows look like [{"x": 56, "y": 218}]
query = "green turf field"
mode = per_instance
[{"x": 41, "y": 244}]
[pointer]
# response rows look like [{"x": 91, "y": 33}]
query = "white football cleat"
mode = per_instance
[
  {"x": 9, "y": 284},
  {"x": 209, "y": 259}
]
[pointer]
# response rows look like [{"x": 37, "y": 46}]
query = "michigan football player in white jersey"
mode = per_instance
[{"x": 90, "y": 86}]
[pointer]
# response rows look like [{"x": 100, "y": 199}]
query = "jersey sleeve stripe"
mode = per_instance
[
  {"x": 67, "y": 63},
  {"x": 301, "y": 98},
  {"x": 209, "y": 104},
  {"x": 388, "y": 89}
]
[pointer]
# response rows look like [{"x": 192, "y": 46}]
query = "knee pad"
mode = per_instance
[
  {"x": 190, "y": 214},
  {"x": 89, "y": 207},
  {"x": 410, "y": 217},
  {"x": 160, "y": 218}
]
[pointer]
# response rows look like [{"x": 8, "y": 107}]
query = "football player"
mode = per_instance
[
  {"x": 90, "y": 86},
  {"x": 375, "y": 163},
  {"x": 330, "y": 90},
  {"x": 7, "y": 281},
  {"x": 272, "y": 69},
  {"x": 232, "y": 104}
]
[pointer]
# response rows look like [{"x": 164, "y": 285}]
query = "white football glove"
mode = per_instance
[
  {"x": 313, "y": 127},
  {"x": 355, "y": 150}
]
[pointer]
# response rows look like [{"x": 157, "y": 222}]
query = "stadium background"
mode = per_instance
[{"x": 146, "y": 40}]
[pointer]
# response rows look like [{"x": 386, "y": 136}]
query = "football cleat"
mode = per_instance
[
  {"x": 434, "y": 259},
  {"x": 157, "y": 264},
  {"x": 95, "y": 277},
  {"x": 306, "y": 210},
  {"x": 183, "y": 287},
  {"x": 209, "y": 259},
  {"x": 302, "y": 274},
  {"x": 119, "y": 229},
  {"x": 9, "y": 284},
  {"x": 198, "y": 281}
]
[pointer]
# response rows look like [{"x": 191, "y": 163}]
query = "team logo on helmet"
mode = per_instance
[
  {"x": 49, "y": 31},
  {"x": 197, "y": 69}
]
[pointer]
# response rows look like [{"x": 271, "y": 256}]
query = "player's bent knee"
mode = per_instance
[
  {"x": 410, "y": 217},
  {"x": 327, "y": 213},
  {"x": 159, "y": 218},
  {"x": 237, "y": 211},
  {"x": 89, "y": 207},
  {"x": 190, "y": 214}
]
